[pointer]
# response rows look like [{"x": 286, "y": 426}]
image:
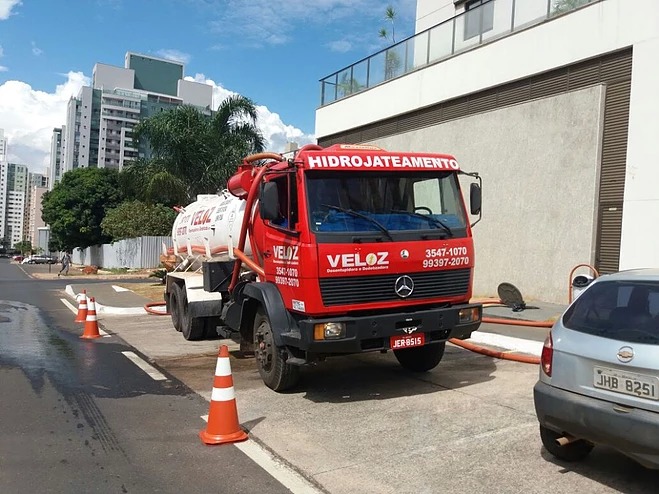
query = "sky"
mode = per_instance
[{"x": 271, "y": 51}]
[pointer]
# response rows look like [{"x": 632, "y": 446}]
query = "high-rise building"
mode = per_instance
[
  {"x": 14, "y": 184},
  {"x": 3, "y": 145},
  {"x": 55, "y": 167},
  {"x": 100, "y": 120}
]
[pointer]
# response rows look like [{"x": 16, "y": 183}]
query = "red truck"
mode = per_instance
[{"x": 338, "y": 250}]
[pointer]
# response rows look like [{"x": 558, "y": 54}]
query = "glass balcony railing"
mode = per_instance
[{"x": 487, "y": 22}]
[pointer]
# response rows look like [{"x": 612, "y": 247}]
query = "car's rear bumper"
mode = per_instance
[{"x": 632, "y": 431}]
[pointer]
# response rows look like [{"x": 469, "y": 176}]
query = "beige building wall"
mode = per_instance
[
  {"x": 540, "y": 166},
  {"x": 34, "y": 214}
]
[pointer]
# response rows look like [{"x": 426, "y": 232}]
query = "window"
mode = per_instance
[
  {"x": 288, "y": 208},
  {"x": 479, "y": 18}
]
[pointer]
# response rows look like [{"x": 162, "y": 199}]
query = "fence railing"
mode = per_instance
[
  {"x": 493, "y": 19},
  {"x": 138, "y": 253}
]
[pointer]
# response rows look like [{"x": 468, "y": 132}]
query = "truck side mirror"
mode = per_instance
[
  {"x": 475, "y": 198},
  {"x": 269, "y": 201}
]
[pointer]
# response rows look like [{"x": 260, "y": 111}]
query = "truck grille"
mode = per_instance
[{"x": 363, "y": 289}]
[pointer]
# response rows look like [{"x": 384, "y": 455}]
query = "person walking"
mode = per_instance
[{"x": 66, "y": 264}]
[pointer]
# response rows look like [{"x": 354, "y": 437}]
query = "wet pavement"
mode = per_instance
[{"x": 78, "y": 416}]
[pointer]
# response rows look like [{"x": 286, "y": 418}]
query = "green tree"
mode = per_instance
[
  {"x": 76, "y": 206},
  {"x": 24, "y": 247},
  {"x": 389, "y": 15},
  {"x": 192, "y": 153},
  {"x": 133, "y": 219},
  {"x": 392, "y": 60}
]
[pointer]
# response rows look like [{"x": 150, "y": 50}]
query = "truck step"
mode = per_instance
[{"x": 296, "y": 361}]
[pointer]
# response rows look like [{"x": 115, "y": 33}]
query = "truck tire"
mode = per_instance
[
  {"x": 275, "y": 372},
  {"x": 574, "y": 451},
  {"x": 174, "y": 298},
  {"x": 422, "y": 358},
  {"x": 192, "y": 328}
]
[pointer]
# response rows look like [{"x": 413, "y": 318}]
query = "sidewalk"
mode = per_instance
[{"x": 114, "y": 300}]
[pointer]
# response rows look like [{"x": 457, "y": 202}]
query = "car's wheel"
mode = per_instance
[
  {"x": 422, "y": 358},
  {"x": 275, "y": 372},
  {"x": 174, "y": 297},
  {"x": 192, "y": 328},
  {"x": 573, "y": 451}
]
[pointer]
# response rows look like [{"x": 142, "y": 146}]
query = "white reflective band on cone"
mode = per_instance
[
  {"x": 223, "y": 394},
  {"x": 91, "y": 318},
  {"x": 223, "y": 367}
]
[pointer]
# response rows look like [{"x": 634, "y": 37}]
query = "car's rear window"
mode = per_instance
[{"x": 621, "y": 310}]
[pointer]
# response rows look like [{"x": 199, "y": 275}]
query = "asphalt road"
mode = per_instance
[{"x": 78, "y": 416}]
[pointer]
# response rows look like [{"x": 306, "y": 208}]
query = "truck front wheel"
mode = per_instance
[
  {"x": 275, "y": 372},
  {"x": 422, "y": 358}
]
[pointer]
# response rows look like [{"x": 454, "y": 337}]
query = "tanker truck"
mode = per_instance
[{"x": 335, "y": 251}]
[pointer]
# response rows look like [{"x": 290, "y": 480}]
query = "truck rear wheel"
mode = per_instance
[
  {"x": 422, "y": 358},
  {"x": 275, "y": 372},
  {"x": 174, "y": 298},
  {"x": 192, "y": 328}
]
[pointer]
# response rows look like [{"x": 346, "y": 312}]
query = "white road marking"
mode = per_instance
[
  {"x": 284, "y": 474},
  {"x": 72, "y": 308},
  {"x": 148, "y": 368},
  {"x": 120, "y": 288}
]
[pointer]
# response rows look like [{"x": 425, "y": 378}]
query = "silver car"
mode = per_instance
[{"x": 599, "y": 371}]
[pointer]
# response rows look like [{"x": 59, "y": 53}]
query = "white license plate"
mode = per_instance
[
  {"x": 627, "y": 383},
  {"x": 407, "y": 341}
]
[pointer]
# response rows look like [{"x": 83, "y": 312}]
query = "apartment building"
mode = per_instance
[
  {"x": 3, "y": 145},
  {"x": 13, "y": 187},
  {"x": 100, "y": 120},
  {"x": 554, "y": 102},
  {"x": 55, "y": 166}
]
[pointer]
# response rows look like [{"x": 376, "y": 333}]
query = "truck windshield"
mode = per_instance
[{"x": 370, "y": 202}]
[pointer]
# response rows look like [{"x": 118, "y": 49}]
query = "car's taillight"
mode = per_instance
[{"x": 547, "y": 355}]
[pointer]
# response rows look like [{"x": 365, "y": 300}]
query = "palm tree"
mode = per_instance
[
  {"x": 389, "y": 15},
  {"x": 190, "y": 152}
]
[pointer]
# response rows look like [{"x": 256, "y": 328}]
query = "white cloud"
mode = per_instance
[
  {"x": 36, "y": 51},
  {"x": 6, "y": 6},
  {"x": 3, "y": 68},
  {"x": 174, "y": 55},
  {"x": 276, "y": 132},
  {"x": 28, "y": 117},
  {"x": 340, "y": 46},
  {"x": 260, "y": 22}
]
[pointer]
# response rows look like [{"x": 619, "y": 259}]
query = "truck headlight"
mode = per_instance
[
  {"x": 329, "y": 331},
  {"x": 471, "y": 314}
]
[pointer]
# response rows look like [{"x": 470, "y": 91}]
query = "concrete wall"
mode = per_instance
[
  {"x": 641, "y": 201},
  {"x": 539, "y": 162},
  {"x": 195, "y": 93},
  {"x": 138, "y": 253},
  {"x": 109, "y": 77}
]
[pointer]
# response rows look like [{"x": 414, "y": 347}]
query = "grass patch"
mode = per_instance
[{"x": 150, "y": 290}]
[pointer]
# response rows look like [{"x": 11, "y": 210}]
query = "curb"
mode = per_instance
[{"x": 106, "y": 309}]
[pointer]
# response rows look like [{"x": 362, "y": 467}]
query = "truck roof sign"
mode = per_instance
[{"x": 379, "y": 161}]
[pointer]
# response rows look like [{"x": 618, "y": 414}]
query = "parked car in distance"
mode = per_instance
[
  {"x": 599, "y": 371},
  {"x": 39, "y": 259},
  {"x": 17, "y": 258}
]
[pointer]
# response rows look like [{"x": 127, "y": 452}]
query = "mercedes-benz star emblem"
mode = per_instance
[
  {"x": 625, "y": 354},
  {"x": 404, "y": 286},
  {"x": 404, "y": 253}
]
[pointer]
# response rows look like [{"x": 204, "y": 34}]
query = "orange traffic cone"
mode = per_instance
[
  {"x": 223, "y": 426},
  {"x": 82, "y": 307},
  {"x": 91, "y": 323}
]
